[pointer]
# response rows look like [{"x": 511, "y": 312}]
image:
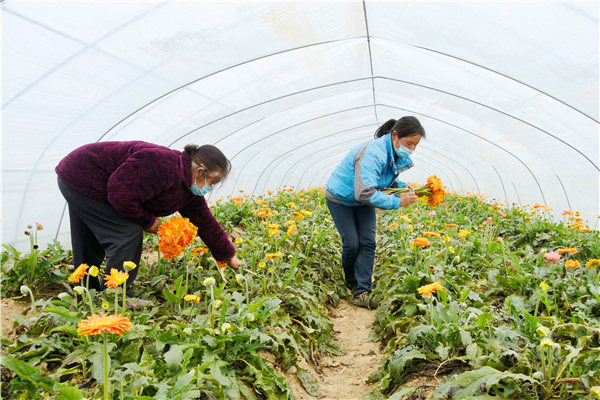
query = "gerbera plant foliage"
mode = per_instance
[{"x": 497, "y": 301}]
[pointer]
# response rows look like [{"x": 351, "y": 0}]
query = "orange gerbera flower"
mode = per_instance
[
  {"x": 432, "y": 234},
  {"x": 104, "y": 323},
  {"x": 451, "y": 226},
  {"x": 421, "y": 242},
  {"x": 291, "y": 230},
  {"x": 571, "y": 250},
  {"x": 273, "y": 255},
  {"x": 115, "y": 278},
  {"x": 572, "y": 264},
  {"x": 428, "y": 290},
  {"x": 392, "y": 226},
  {"x": 79, "y": 273},
  {"x": 174, "y": 235},
  {"x": 199, "y": 250}
]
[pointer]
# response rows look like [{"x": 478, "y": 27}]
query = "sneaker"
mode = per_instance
[
  {"x": 135, "y": 303},
  {"x": 364, "y": 300}
]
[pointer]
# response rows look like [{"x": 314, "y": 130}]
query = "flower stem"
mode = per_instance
[
  {"x": 106, "y": 396},
  {"x": 124, "y": 293}
]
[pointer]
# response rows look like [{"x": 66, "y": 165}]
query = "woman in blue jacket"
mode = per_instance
[{"x": 353, "y": 192}]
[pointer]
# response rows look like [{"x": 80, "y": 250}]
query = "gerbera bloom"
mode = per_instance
[
  {"x": 501, "y": 214},
  {"x": 221, "y": 264},
  {"x": 432, "y": 234},
  {"x": 544, "y": 286},
  {"x": 104, "y": 323},
  {"x": 199, "y": 250},
  {"x": 79, "y": 273},
  {"x": 571, "y": 250},
  {"x": 305, "y": 212},
  {"x": 174, "y": 235},
  {"x": 273, "y": 255},
  {"x": 421, "y": 242},
  {"x": 192, "y": 297},
  {"x": 392, "y": 226},
  {"x": 593, "y": 263},
  {"x": 428, "y": 290},
  {"x": 552, "y": 256},
  {"x": 572, "y": 264},
  {"x": 291, "y": 230},
  {"x": 451, "y": 226},
  {"x": 239, "y": 240},
  {"x": 274, "y": 232},
  {"x": 463, "y": 233},
  {"x": 39, "y": 226},
  {"x": 487, "y": 221},
  {"x": 431, "y": 214},
  {"x": 115, "y": 278}
]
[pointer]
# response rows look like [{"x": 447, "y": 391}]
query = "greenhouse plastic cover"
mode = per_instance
[{"x": 507, "y": 93}]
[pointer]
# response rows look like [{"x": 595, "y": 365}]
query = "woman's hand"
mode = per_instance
[
  {"x": 154, "y": 227},
  {"x": 234, "y": 262},
  {"x": 408, "y": 198}
]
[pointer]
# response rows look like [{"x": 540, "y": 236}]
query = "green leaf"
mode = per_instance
[
  {"x": 401, "y": 359},
  {"x": 472, "y": 382},
  {"x": 309, "y": 382},
  {"x": 173, "y": 357},
  {"x": 67, "y": 392}
]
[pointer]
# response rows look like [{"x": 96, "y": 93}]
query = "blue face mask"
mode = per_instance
[
  {"x": 403, "y": 151},
  {"x": 203, "y": 191}
]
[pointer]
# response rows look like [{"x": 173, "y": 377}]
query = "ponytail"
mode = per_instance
[
  {"x": 405, "y": 126},
  {"x": 385, "y": 128},
  {"x": 210, "y": 157}
]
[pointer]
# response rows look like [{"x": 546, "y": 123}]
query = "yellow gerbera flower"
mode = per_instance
[{"x": 115, "y": 278}]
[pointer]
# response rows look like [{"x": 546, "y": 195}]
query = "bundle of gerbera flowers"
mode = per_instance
[
  {"x": 174, "y": 235},
  {"x": 434, "y": 190}
]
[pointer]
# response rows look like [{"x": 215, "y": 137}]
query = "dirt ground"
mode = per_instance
[
  {"x": 343, "y": 377},
  {"x": 8, "y": 308}
]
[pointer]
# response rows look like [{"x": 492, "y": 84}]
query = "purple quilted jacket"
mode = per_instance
[{"x": 142, "y": 181}]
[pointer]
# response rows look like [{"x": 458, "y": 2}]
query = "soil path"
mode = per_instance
[{"x": 343, "y": 377}]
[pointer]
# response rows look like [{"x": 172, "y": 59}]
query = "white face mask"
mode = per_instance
[
  {"x": 204, "y": 190},
  {"x": 403, "y": 151}
]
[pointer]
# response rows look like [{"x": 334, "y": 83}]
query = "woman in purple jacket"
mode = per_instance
[{"x": 117, "y": 190}]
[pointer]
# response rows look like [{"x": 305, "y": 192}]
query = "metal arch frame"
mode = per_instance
[
  {"x": 414, "y": 112},
  {"x": 286, "y": 128},
  {"x": 501, "y": 182},
  {"x": 466, "y": 169},
  {"x": 508, "y": 77},
  {"x": 496, "y": 110},
  {"x": 306, "y": 46},
  {"x": 267, "y": 168},
  {"x": 85, "y": 45}
]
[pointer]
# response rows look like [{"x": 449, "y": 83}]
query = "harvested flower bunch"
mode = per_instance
[
  {"x": 434, "y": 190},
  {"x": 174, "y": 235}
]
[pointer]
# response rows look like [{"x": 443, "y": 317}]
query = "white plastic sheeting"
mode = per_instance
[{"x": 507, "y": 92}]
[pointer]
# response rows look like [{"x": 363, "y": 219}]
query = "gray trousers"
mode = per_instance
[{"x": 99, "y": 231}]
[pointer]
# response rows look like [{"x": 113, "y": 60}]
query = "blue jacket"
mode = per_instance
[{"x": 364, "y": 170}]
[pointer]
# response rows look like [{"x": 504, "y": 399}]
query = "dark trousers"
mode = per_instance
[
  {"x": 99, "y": 231},
  {"x": 356, "y": 225}
]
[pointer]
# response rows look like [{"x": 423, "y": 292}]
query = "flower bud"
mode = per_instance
[
  {"x": 239, "y": 278},
  {"x": 25, "y": 289},
  {"x": 80, "y": 290},
  {"x": 546, "y": 343},
  {"x": 542, "y": 331},
  {"x": 217, "y": 304},
  {"x": 94, "y": 271},
  {"x": 225, "y": 327},
  {"x": 250, "y": 317},
  {"x": 129, "y": 266},
  {"x": 210, "y": 281},
  {"x": 105, "y": 305}
]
